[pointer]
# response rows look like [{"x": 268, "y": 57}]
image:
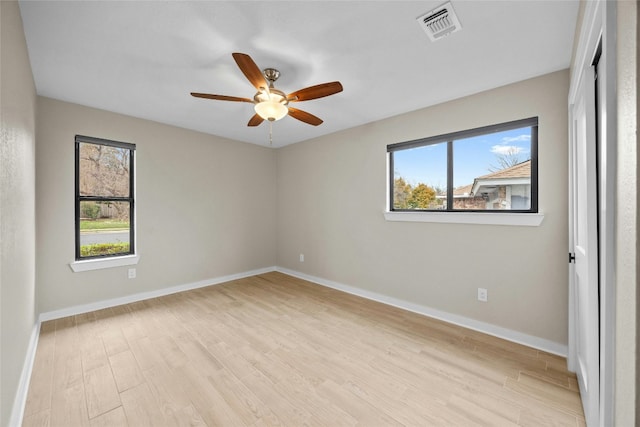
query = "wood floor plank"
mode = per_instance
[
  {"x": 166, "y": 390},
  {"x": 86, "y": 324},
  {"x": 206, "y": 399},
  {"x": 114, "y": 341},
  {"x": 134, "y": 330},
  {"x": 188, "y": 417},
  {"x": 141, "y": 408},
  {"x": 558, "y": 397},
  {"x": 146, "y": 353},
  {"x": 479, "y": 414},
  {"x": 275, "y": 403},
  {"x": 364, "y": 412},
  {"x": 169, "y": 351},
  {"x": 274, "y": 350},
  {"x": 402, "y": 410},
  {"x": 304, "y": 395},
  {"x": 546, "y": 416},
  {"x": 228, "y": 356},
  {"x": 68, "y": 407},
  {"x": 489, "y": 399},
  {"x": 93, "y": 353},
  {"x": 38, "y": 419},
  {"x": 197, "y": 354},
  {"x": 125, "y": 370},
  {"x": 101, "y": 391},
  {"x": 238, "y": 396},
  {"x": 67, "y": 364},
  {"x": 113, "y": 418}
]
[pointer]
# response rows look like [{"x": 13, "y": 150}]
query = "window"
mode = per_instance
[
  {"x": 488, "y": 169},
  {"x": 104, "y": 197}
]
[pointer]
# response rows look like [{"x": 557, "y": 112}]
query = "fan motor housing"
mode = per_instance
[{"x": 271, "y": 74}]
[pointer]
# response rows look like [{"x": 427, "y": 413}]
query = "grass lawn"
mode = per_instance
[
  {"x": 103, "y": 225},
  {"x": 104, "y": 249}
]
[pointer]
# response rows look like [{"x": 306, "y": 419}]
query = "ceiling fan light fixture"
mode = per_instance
[
  {"x": 271, "y": 110},
  {"x": 271, "y": 105}
]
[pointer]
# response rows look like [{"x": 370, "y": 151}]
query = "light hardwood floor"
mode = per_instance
[{"x": 276, "y": 350}]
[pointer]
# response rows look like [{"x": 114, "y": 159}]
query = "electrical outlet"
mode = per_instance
[
  {"x": 132, "y": 273},
  {"x": 301, "y": 257},
  {"x": 482, "y": 295}
]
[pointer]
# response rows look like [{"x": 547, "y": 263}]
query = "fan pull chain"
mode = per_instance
[{"x": 270, "y": 133}]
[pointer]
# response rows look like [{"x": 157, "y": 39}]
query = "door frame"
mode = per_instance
[{"x": 598, "y": 29}]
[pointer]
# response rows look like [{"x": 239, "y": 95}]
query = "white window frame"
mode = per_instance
[
  {"x": 532, "y": 218},
  {"x": 97, "y": 263}
]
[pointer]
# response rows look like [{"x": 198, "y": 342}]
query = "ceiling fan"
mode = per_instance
[{"x": 270, "y": 103}]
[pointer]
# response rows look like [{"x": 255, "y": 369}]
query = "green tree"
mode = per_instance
[
  {"x": 401, "y": 193},
  {"x": 422, "y": 197},
  {"x": 90, "y": 210}
]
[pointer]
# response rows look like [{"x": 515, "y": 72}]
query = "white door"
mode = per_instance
[{"x": 584, "y": 272}]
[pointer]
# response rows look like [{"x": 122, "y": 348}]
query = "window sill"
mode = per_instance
[
  {"x": 488, "y": 218},
  {"x": 98, "y": 264}
]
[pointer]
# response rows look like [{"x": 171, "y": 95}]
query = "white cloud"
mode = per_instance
[
  {"x": 518, "y": 138},
  {"x": 506, "y": 149}
]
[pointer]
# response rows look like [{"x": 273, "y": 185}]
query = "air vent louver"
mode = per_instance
[{"x": 440, "y": 22}]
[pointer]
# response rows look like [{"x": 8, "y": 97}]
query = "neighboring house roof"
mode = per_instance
[
  {"x": 521, "y": 170},
  {"x": 516, "y": 174},
  {"x": 463, "y": 191},
  {"x": 519, "y": 174}
]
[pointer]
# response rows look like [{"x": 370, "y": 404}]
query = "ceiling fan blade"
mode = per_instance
[
  {"x": 255, "y": 120},
  {"x": 303, "y": 116},
  {"x": 221, "y": 97},
  {"x": 251, "y": 70},
  {"x": 314, "y": 92}
]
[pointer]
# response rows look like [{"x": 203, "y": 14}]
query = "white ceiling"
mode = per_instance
[{"x": 144, "y": 58}]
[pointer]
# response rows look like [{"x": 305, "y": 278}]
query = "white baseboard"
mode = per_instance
[
  {"x": 99, "y": 305},
  {"x": 476, "y": 325},
  {"x": 20, "y": 401}
]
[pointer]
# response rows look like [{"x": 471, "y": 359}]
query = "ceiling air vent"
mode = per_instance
[{"x": 440, "y": 22}]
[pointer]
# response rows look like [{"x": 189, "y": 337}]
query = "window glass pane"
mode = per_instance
[
  {"x": 420, "y": 177},
  {"x": 104, "y": 228},
  {"x": 493, "y": 171},
  {"x": 104, "y": 170}
]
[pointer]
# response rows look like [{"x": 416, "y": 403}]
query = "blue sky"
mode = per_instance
[{"x": 472, "y": 158}]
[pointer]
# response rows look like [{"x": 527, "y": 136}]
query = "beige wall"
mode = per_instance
[
  {"x": 637, "y": 287},
  {"x": 205, "y": 206},
  {"x": 17, "y": 204},
  {"x": 627, "y": 215},
  {"x": 331, "y": 198}
]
